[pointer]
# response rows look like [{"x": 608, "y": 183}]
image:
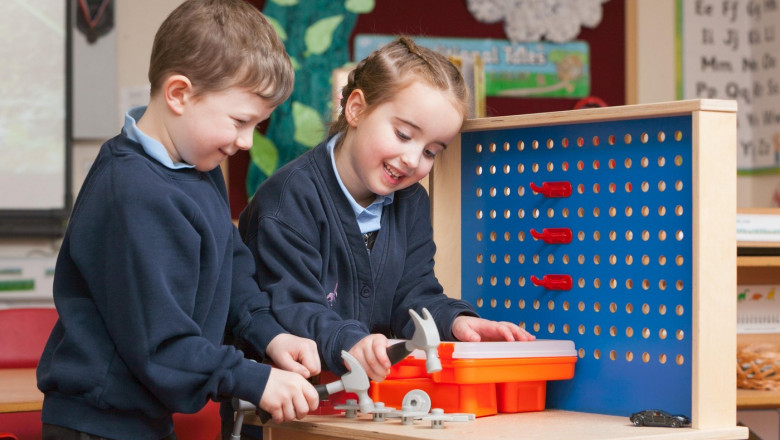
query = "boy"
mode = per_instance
[{"x": 151, "y": 270}]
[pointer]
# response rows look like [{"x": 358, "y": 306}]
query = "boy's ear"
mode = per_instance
[
  {"x": 177, "y": 91},
  {"x": 356, "y": 104}
]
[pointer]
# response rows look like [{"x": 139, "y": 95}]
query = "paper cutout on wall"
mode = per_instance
[{"x": 531, "y": 20}]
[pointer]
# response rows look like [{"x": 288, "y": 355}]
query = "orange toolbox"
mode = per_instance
[{"x": 482, "y": 378}]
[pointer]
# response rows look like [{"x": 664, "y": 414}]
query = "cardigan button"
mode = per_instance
[{"x": 365, "y": 291}]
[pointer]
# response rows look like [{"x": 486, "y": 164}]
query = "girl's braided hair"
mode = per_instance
[{"x": 396, "y": 65}]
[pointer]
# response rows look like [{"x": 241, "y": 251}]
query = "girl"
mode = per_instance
[{"x": 342, "y": 235}]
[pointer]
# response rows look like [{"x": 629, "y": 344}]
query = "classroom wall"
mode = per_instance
[
  {"x": 135, "y": 24},
  {"x": 650, "y": 57},
  {"x": 449, "y": 18},
  {"x": 649, "y": 78}
]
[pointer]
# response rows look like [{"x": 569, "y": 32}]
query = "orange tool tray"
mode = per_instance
[
  {"x": 482, "y": 378},
  {"x": 466, "y": 362}
]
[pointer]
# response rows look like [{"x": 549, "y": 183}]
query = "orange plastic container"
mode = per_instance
[
  {"x": 516, "y": 397},
  {"x": 482, "y": 378}
]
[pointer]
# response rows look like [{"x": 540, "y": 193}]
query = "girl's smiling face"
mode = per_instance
[{"x": 393, "y": 145}]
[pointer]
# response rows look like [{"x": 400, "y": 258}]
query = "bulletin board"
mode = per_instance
[
  {"x": 634, "y": 207},
  {"x": 447, "y": 18}
]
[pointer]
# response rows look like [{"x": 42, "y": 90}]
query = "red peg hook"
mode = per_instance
[
  {"x": 553, "y": 282},
  {"x": 552, "y": 189},
  {"x": 553, "y": 235}
]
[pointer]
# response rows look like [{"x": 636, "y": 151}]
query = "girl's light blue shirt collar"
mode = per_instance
[
  {"x": 151, "y": 146},
  {"x": 370, "y": 218}
]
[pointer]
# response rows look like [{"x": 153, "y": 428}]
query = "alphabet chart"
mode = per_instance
[{"x": 731, "y": 50}]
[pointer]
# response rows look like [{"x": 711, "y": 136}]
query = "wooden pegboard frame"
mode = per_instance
[{"x": 713, "y": 240}]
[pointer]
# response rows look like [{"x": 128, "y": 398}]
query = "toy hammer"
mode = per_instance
[
  {"x": 353, "y": 381},
  {"x": 425, "y": 337}
]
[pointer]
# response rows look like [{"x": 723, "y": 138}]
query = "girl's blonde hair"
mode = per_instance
[{"x": 389, "y": 69}]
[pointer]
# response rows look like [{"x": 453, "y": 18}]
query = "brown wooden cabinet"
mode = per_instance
[{"x": 758, "y": 263}]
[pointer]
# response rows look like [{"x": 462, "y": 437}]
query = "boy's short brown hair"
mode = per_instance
[{"x": 219, "y": 44}]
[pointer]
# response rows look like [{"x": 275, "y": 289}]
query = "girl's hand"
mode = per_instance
[
  {"x": 473, "y": 329},
  {"x": 295, "y": 354},
  {"x": 371, "y": 352}
]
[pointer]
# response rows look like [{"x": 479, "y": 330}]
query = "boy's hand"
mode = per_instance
[
  {"x": 288, "y": 396},
  {"x": 371, "y": 352},
  {"x": 473, "y": 329},
  {"x": 293, "y": 353}
]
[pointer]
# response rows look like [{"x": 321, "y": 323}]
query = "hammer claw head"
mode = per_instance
[
  {"x": 426, "y": 338},
  {"x": 425, "y": 332},
  {"x": 356, "y": 378},
  {"x": 356, "y": 381}
]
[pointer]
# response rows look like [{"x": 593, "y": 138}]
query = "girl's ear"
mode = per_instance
[
  {"x": 177, "y": 91},
  {"x": 356, "y": 104}
]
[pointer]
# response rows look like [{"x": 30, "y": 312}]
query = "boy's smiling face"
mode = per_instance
[{"x": 214, "y": 126}]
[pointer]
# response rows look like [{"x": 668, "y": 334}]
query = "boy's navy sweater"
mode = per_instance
[
  {"x": 312, "y": 260},
  {"x": 150, "y": 273}
]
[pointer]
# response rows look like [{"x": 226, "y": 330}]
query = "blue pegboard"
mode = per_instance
[{"x": 629, "y": 310}]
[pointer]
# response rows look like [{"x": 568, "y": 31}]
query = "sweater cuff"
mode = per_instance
[
  {"x": 250, "y": 379},
  {"x": 261, "y": 330},
  {"x": 347, "y": 338},
  {"x": 460, "y": 308}
]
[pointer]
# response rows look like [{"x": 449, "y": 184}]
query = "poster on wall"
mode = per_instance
[
  {"x": 32, "y": 108},
  {"x": 731, "y": 50},
  {"x": 512, "y": 70},
  {"x": 758, "y": 309},
  {"x": 35, "y": 195}
]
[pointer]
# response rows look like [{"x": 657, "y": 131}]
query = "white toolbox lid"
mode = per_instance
[{"x": 507, "y": 350}]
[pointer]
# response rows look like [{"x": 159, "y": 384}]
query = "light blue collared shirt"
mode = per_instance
[
  {"x": 152, "y": 146},
  {"x": 369, "y": 219}
]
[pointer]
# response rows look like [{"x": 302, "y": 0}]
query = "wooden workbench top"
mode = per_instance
[{"x": 548, "y": 424}]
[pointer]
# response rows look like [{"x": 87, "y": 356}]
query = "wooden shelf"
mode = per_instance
[
  {"x": 758, "y": 270},
  {"x": 758, "y": 261},
  {"x": 762, "y": 247},
  {"x": 757, "y": 399}
]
